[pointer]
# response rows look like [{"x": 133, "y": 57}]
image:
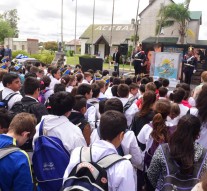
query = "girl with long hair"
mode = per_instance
[{"x": 184, "y": 153}]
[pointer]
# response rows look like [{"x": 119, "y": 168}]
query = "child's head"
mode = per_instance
[
  {"x": 123, "y": 90},
  {"x": 22, "y": 127},
  {"x": 204, "y": 76},
  {"x": 11, "y": 81},
  {"x": 150, "y": 86},
  {"x": 113, "y": 104},
  {"x": 96, "y": 90},
  {"x": 32, "y": 87},
  {"x": 174, "y": 111},
  {"x": 165, "y": 83},
  {"x": 85, "y": 90},
  {"x": 59, "y": 88},
  {"x": 5, "y": 120},
  {"x": 142, "y": 88},
  {"x": 87, "y": 76},
  {"x": 45, "y": 82},
  {"x": 113, "y": 124},
  {"x": 80, "y": 104},
  {"x": 133, "y": 88},
  {"x": 163, "y": 91}
]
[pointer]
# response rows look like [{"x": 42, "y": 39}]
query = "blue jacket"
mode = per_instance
[{"x": 15, "y": 172}]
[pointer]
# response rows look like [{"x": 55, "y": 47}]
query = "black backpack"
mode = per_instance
[
  {"x": 177, "y": 181},
  {"x": 129, "y": 104},
  {"x": 20, "y": 107},
  {"x": 4, "y": 102},
  {"x": 89, "y": 175}
]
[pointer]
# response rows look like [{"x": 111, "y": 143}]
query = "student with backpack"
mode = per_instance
[
  {"x": 30, "y": 103},
  {"x": 10, "y": 94},
  {"x": 78, "y": 119},
  {"x": 119, "y": 172},
  {"x": 86, "y": 90},
  {"x": 14, "y": 163},
  {"x": 123, "y": 92},
  {"x": 179, "y": 164},
  {"x": 54, "y": 141}
]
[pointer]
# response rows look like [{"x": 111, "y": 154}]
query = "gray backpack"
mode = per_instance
[{"x": 175, "y": 180}]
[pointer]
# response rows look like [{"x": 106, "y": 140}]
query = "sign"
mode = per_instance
[
  {"x": 166, "y": 65},
  {"x": 115, "y": 28}
]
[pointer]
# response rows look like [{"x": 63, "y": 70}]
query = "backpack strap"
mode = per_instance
[
  {"x": 10, "y": 96},
  {"x": 41, "y": 128},
  {"x": 110, "y": 160},
  {"x": 129, "y": 103},
  {"x": 7, "y": 150},
  {"x": 86, "y": 154},
  {"x": 1, "y": 95}
]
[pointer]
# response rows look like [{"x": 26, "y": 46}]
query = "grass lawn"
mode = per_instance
[{"x": 75, "y": 60}]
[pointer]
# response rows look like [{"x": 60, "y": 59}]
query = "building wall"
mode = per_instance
[
  {"x": 83, "y": 42},
  {"x": 16, "y": 44},
  {"x": 101, "y": 50},
  {"x": 32, "y": 46},
  {"x": 149, "y": 19},
  {"x": 194, "y": 26}
]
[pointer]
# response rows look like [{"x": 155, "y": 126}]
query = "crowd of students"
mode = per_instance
[{"x": 164, "y": 130}]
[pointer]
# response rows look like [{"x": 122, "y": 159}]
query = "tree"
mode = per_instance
[
  {"x": 12, "y": 18},
  {"x": 51, "y": 45},
  {"x": 175, "y": 13},
  {"x": 5, "y": 30}
]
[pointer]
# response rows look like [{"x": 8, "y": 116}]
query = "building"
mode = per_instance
[
  {"x": 168, "y": 35},
  {"x": 28, "y": 45},
  {"x": 71, "y": 46},
  {"x": 104, "y": 38}
]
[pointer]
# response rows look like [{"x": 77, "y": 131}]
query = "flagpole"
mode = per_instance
[
  {"x": 75, "y": 23},
  {"x": 112, "y": 24},
  {"x": 94, "y": 4},
  {"x": 62, "y": 26},
  {"x": 136, "y": 26}
]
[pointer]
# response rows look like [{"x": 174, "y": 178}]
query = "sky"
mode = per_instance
[{"x": 41, "y": 19}]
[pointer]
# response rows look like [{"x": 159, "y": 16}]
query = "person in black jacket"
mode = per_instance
[
  {"x": 30, "y": 104},
  {"x": 2, "y": 50},
  {"x": 78, "y": 119},
  {"x": 116, "y": 58}
]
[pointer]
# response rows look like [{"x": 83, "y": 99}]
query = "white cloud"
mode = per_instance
[{"x": 41, "y": 18}]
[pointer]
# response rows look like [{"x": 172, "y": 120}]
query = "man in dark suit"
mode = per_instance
[
  {"x": 116, "y": 57},
  {"x": 1, "y": 52},
  {"x": 139, "y": 59},
  {"x": 190, "y": 65}
]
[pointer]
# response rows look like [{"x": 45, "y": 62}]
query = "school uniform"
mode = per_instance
[
  {"x": 129, "y": 113},
  {"x": 69, "y": 89},
  {"x": 6, "y": 91},
  {"x": 53, "y": 82},
  {"x": 120, "y": 175},
  {"x": 129, "y": 145},
  {"x": 85, "y": 82},
  {"x": 183, "y": 109},
  {"x": 108, "y": 93},
  {"x": 48, "y": 93},
  {"x": 14, "y": 168},
  {"x": 101, "y": 96},
  {"x": 60, "y": 127}
]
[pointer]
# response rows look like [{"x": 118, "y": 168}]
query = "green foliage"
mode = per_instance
[
  {"x": 11, "y": 17},
  {"x": 51, "y": 45},
  {"x": 70, "y": 53},
  {"x": 87, "y": 56},
  {"x": 130, "y": 49},
  {"x": 46, "y": 58},
  {"x": 15, "y": 53},
  {"x": 174, "y": 13},
  {"x": 5, "y": 30}
]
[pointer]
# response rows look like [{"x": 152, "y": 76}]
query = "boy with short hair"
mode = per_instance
[
  {"x": 123, "y": 92},
  {"x": 12, "y": 85},
  {"x": 120, "y": 175},
  {"x": 87, "y": 78},
  {"x": 133, "y": 90},
  {"x": 15, "y": 167}
]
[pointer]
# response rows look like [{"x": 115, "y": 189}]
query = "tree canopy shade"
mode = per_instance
[
  {"x": 175, "y": 13},
  {"x": 51, "y": 45},
  {"x": 5, "y": 30}
]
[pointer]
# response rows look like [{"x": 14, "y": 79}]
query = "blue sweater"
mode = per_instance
[{"x": 15, "y": 172}]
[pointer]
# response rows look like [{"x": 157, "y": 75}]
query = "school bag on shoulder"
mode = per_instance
[
  {"x": 129, "y": 103},
  {"x": 4, "y": 102},
  {"x": 89, "y": 175},
  {"x": 41, "y": 97},
  {"x": 8, "y": 150},
  {"x": 177, "y": 181},
  {"x": 50, "y": 160}
]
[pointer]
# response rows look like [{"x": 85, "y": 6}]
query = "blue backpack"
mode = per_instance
[
  {"x": 90, "y": 175},
  {"x": 50, "y": 160}
]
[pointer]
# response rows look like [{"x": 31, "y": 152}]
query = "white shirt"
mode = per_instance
[
  {"x": 101, "y": 95},
  {"x": 130, "y": 112},
  {"x": 90, "y": 116},
  {"x": 14, "y": 99},
  {"x": 183, "y": 109},
  {"x": 85, "y": 81},
  {"x": 53, "y": 82},
  {"x": 120, "y": 175},
  {"x": 69, "y": 89},
  {"x": 129, "y": 145},
  {"x": 48, "y": 93},
  {"x": 108, "y": 93},
  {"x": 60, "y": 127},
  {"x": 1, "y": 86}
]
